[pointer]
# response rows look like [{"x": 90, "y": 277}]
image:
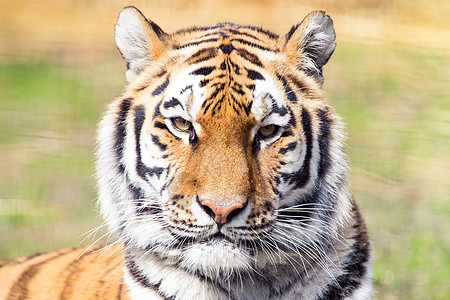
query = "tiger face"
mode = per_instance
[{"x": 223, "y": 157}]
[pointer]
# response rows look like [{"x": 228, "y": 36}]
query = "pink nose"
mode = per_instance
[{"x": 221, "y": 213}]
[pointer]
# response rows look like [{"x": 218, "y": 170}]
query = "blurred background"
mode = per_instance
[{"x": 389, "y": 79}]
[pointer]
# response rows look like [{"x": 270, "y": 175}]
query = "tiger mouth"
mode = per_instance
[
  {"x": 209, "y": 239},
  {"x": 251, "y": 244},
  {"x": 218, "y": 237}
]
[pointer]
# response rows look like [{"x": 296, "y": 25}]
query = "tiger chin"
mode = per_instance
[{"x": 221, "y": 171}]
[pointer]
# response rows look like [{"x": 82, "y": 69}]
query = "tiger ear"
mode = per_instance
[
  {"x": 310, "y": 43},
  {"x": 139, "y": 40}
]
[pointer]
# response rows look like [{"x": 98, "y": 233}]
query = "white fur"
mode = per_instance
[
  {"x": 365, "y": 291},
  {"x": 318, "y": 35},
  {"x": 132, "y": 42},
  {"x": 172, "y": 280}
]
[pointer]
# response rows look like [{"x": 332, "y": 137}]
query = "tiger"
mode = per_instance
[{"x": 221, "y": 171}]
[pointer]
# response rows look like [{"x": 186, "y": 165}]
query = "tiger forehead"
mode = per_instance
[
  {"x": 228, "y": 70},
  {"x": 228, "y": 85},
  {"x": 224, "y": 32}
]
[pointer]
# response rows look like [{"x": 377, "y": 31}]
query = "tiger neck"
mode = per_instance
[
  {"x": 150, "y": 276},
  {"x": 159, "y": 280}
]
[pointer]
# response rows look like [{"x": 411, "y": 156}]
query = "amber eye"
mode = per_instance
[
  {"x": 268, "y": 131},
  {"x": 181, "y": 124}
]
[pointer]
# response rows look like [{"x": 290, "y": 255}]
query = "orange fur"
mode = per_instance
[{"x": 65, "y": 274}]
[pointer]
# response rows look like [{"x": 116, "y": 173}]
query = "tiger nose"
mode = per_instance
[{"x": 222, "y": 213}]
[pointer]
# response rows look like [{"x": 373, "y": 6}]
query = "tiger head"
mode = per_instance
[{"x": 222, "y": 156}]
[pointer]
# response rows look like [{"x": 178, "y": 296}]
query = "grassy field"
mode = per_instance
[{"x": 394, "y": 97}]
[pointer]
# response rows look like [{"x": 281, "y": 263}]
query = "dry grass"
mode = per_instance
[{"x": 76, "y": 29}]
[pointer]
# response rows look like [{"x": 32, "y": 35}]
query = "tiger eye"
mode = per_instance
[
  {"x": 182, "y": 124},
  {"x": 268, "y": 130}
]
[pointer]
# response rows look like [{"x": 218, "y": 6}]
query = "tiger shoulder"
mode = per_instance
[{"x": 222, "y": 172}]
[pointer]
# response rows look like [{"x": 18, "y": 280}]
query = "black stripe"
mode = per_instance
[
  {"x": 20, "y": 288},
  {"x": 137, "y": 192},
  {"x": 142, "y": 88},
  {"x": 275, "y": 109},
  {"x": 163, "y": 126},
  {"x": 157, "y": 111},
  {"x": 290, "y": 94},
  {"x": 160, "y": 125},
  {"x": 189, "y": 87},
  {"x": 204, "y": 82},
  {"x": 220, "y": 33},
  {"x": 236, "y": 68},
  {"x": 203, "y": 71},
  {"x": 238, "y": 89},
  {"x": 159, "y": 32},
  {"x": 161, "y": 73},
  {"x": 260, "y": 30},
  {"x": 141, "y": 207},
  {"x": 240, "y": 106},
  {"x": 289, "y": 147},
  {"x": 119, "y": 296},
  {"x": 172, "y": 103},
  {"x": 228, "y": 24},
  {"x": 218, "y": 85},
  {"x": 202, "y": 277},
  {"x": 287, "y": 133},
  {"x": 177, "y": 47},
  {"x": 249, "y": 56},
  {"x": 161, "y": 88},
  {"x": 73, "y": 270},
  {"x": 206, "y": 106},
  {"x": 153, "y": 171},
  {"x": 298, "y": 84},
  {"x": 248, "y": 107},
  {"x": 142, "y": 170},
  {"x": 354, "y": 269},
  {"x": 142, "y": 280},
  {"x": 120, "y": 133},
  {"x": 12, "y": 262},
  {"x": 157, "y": 142},
  {"x": 203, "y": 51},
  {"x": 303, "y": 216},
  {"x": 213, "y": 95},
  {"x": 201, "y": 28},
  {"x": 253, "y": 45},
  {"x": 167, "y": 183},
  {"x": 202, "y": 55},
  {"x": 301, "y": 177},
  {"x": 324, "y": 142},
  {"x": 149, "y": 210},
  {"x": 139, "y": 118},
  {"x": 292, "y": 120},
  {"x": 217, "y": 106},
  {"x": 291, "y": 32},
  {"x": 254, "y": 75},
  {"x": 139, "y": 277},
  {"x": 237, "y": 32}
]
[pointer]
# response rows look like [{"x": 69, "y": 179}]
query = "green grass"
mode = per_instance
[
  {"x": 48, "y": 116},
  {"x": 394, "y": 99}
]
